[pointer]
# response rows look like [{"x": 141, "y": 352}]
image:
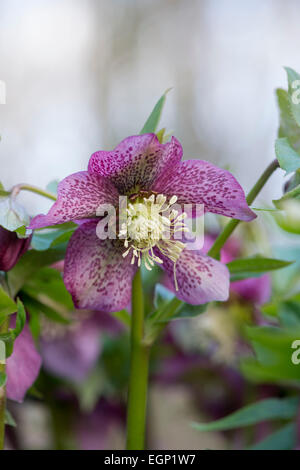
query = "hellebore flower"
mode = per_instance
[
  {"x": 98, "y": 273},
  {"x": 11, "y": 248},
  {"x": 22, "y": 367}
]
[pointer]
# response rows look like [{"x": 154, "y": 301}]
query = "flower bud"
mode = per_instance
[{"x": 11, "y": 248}]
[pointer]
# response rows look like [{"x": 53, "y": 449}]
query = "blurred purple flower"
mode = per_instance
[
  {"x": 73, "y": 352},
  {"x": 99, "y": 273},
  {"x": 11, "y": 248},
  {"x": 256, "y": 290},
  {"x": 23, "y": 366},
  {"x": 93, "y": 429}
]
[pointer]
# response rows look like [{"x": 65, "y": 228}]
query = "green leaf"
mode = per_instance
[
  {"x": 3, "y": 378},
  {"x": 294, "y": 94},
  {"x": 52, "y": 187},
  {"x": 264, "y": 410},
  {"x": 253, "y": 267},
  {"x": 293, "y": 194},
  {"x": 288, "y": 219},
  {"x": 123, "y": 316},
  {"x": 288, "y": 126},
  {"x": 20, "y": 320},
  {"x": 9, "y": 420},
  {"x": 9, "y": 337},
  {"x": 273, "y": 355},
  {"x": 47, "y": 286},
  {"x": 163, "y": 296},
  {"x": 12, "y": 214},
  {"x": 282, "y": 439},
  {"x": 30, "y": 263},
  {"x": 7, "y": 305},
  {"x": 36, "y": 308},
  {"x": 154, "y": 118},
  {"x": 43, "y": 240},
  {"x": 288, "y": 158}
]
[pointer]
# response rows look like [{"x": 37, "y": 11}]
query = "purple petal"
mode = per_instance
[
  {"x": 136, "y": 162},
  {"x": 256, "y": 289},
  {"x": 79, "y": 196},
  {"x": 74, "y": 354},
  {"x": 93, "y": 430},
  {"x": 96, "y": 274},
  {"x": 200, "y": 182},
  {"x": 23, "y": 366},
  {"x": 11, "y": 248},
  {"x": 200, "y": 279}
]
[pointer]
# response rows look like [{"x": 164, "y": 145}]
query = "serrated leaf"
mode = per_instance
[
  {"x": 264, "y": 410},
  {"x": 289, "y": 159},
  {"x": 245, "y": 268},
  {"x": 154, "y": 118}
]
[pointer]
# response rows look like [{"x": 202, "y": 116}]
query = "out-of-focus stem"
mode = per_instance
[
  {"x": 33, "y": 189},
  {"x": 138, "y": 381}
]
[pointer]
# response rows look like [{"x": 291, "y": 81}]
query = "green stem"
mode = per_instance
[
  {"x": 225, "y": 234},
  {"x": 138, "y": 381},
  {"x": 33, "y": 189},
  {"x": 3, "y": 329}
]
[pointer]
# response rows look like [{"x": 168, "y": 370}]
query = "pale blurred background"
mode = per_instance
[{"x": 83, "y": 74}]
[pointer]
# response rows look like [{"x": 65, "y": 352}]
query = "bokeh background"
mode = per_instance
[{"x": 83, "y": 74}]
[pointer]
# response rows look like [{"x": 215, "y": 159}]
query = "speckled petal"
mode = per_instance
[
  {"x": 79, "y": 196},
  {"x": 200, "y": 182},
  {"x": 23, "y": 366},
  {"x": 136, "y": 162},
  {"x": 200, "y": 278},
  {"x": 96, "y": 274}
]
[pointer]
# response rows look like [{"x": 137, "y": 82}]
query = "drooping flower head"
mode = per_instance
[
  {"x": 99, "y": 272},
  {"x": 11, "y": 248}
]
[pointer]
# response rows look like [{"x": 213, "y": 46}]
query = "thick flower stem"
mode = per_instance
[
  {"x": 138, "y": 381},
  {"x": 33, "y": 189},
  {"x": 225, "y": 234},
  {"x": 3, "y": 329}
]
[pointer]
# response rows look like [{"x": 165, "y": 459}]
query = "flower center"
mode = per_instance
[{"x": 153, "y": 222}]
